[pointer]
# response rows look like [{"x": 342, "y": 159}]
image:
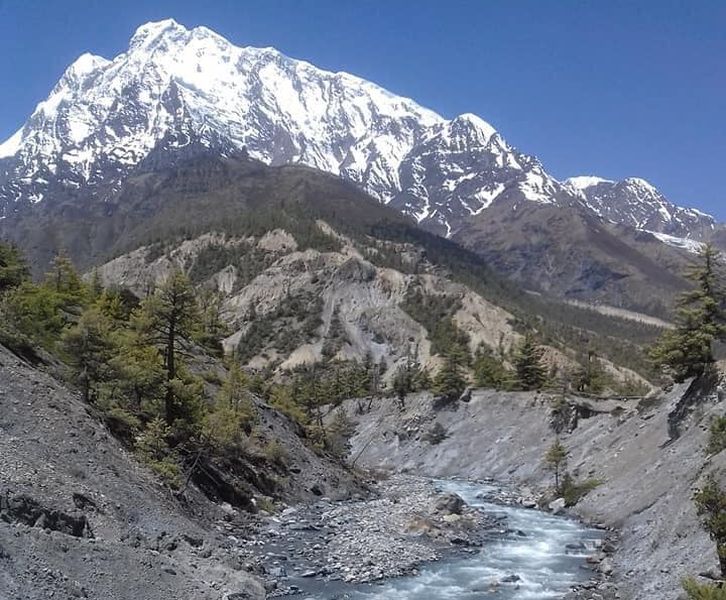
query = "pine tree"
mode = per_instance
[
  {"x": 64, "y": 280},
  {"x": 168, "y": 320},
  {"x": 556, "y": 460},
  {"x": 13, "y": 270},
  {"x": 531, "y": 371},
  {"x": 489, "y": 371},
  {"x": 450, "y": 381},
  {"x": 89, "y": 349},
  {"x": 687, "y": 350},
  {"x": 710, "y": 503},
  {"x": 591, "y": 377},
  {"x": 233, "y": 412}
]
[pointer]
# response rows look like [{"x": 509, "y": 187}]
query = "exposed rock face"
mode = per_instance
[
  {"x": 637, "y": 203},
  {"x": 345, "y": 289},
  {"x": 647, "y": 477}
]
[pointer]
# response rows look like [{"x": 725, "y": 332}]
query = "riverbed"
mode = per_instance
[{"x": 536, "y": 556}]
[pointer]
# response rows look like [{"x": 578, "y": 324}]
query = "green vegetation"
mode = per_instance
[
  {"x": 410, "y": 378},
  {"x": 294, "y": 321},
  {"x": 566, "y": 486},
  {"x": 528, "y": 364},
  {"x": 592, "y": 378},
  {"x": 703, "y": 591},
  {"x": 490, "y": 370},
  {"x": 717, "y": 436},
  {"x": 572, "y": 491},
  {"x": 436, "y": 313},
  {"x": 450, "y": 380},
  {"x": 710, "y": 503},
  {"x": 556, "y": 460},
  {"x": 688, "y": 350},
  {"x": 13, "y": 270},
  {"x": 135, "y": 362}
]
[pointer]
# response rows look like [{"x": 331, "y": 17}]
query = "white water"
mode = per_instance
[{"x": 540, "y": 558}]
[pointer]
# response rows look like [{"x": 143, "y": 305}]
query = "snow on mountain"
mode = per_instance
[
  {"x": 583, "y": 182},
  {"x": 177, "y": 91},
  {"x": 460, "y": 169},
  {"x": 637, "y": 203},
  {"x": 177, "y": 87}
]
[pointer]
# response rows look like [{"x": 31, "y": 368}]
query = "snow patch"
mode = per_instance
[
  {"x": 11, "y": 146},
  {"x": 582, "y": 182},
  {"x": 683, "y": 243}
]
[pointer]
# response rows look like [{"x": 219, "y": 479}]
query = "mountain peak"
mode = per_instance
[
  {"x": 476, "y": 122},
  {"x": 153, "y": 30}
]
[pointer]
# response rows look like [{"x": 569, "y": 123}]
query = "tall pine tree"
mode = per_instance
[
  {"x": 531, "y": 371},
  {"x": 169, "y": 319},
  {"x": 687, "y": 350}
]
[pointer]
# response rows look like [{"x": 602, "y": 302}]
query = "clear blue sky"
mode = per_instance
[{"x": 591, "y": 87}]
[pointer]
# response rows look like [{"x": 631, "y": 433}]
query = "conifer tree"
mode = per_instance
[
  {"x": 233, "y": 413},
  {"x": 168, "y": 320},
  {"x": 687, "y": 350},
  {"x": 556, "y": 460},
  {"x": 489, "y": 370},
  {"x": 13, "y": 270},
  {"x": 591, "y": 377},
  {"x": 89, "y": 349},
  {"x": 450, "y": 381},
  {"x": 711, "y": 507},
  {"x": 64, "y": 280},
  {"x": 531, "y": 371}
]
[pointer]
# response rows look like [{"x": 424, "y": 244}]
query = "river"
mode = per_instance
[{"x": 541, "y": 557}]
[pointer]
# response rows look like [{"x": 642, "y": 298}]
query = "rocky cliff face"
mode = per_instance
[{"x": 637, "y": 203}]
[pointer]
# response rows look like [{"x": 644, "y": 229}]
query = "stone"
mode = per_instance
[
  {"x": 449, "y": 504},
  {"x": 557, "y": 506}
]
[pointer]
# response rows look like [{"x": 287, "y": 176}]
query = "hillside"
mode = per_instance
[
  {"x": 331, "y": 230},
  {"x": 77, "y": 510}
]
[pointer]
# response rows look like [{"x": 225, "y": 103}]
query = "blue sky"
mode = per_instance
[{"x": 591, "y": 87}]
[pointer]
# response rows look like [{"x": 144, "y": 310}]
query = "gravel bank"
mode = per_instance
[{"x": 408, "y": 523}]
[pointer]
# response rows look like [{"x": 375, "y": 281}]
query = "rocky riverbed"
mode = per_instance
[
  {"x": 407, "y": 524},
  {"x": 414, "y": 527}
]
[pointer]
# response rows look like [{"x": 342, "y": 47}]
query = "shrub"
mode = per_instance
[
  {"x": 572, "y": 492},
  {"x": 717, "y": 437},
  {"x": 703, "y": 591},
  {"x": 436, "y": 434},
  {"x": 276, "y": 453}
]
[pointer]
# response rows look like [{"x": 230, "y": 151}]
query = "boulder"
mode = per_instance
[
  {"x": 557, "y": 506},
  {"x": 449, "y": 504}
]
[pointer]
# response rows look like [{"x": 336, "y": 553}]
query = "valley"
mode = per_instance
[{"x": 269, "y": 330}]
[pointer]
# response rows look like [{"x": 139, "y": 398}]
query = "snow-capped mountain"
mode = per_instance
[
  {"x": 637, "y": 203},
  {"x": 178, "y": 96},
  {"x": 178, "y": 90}
]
